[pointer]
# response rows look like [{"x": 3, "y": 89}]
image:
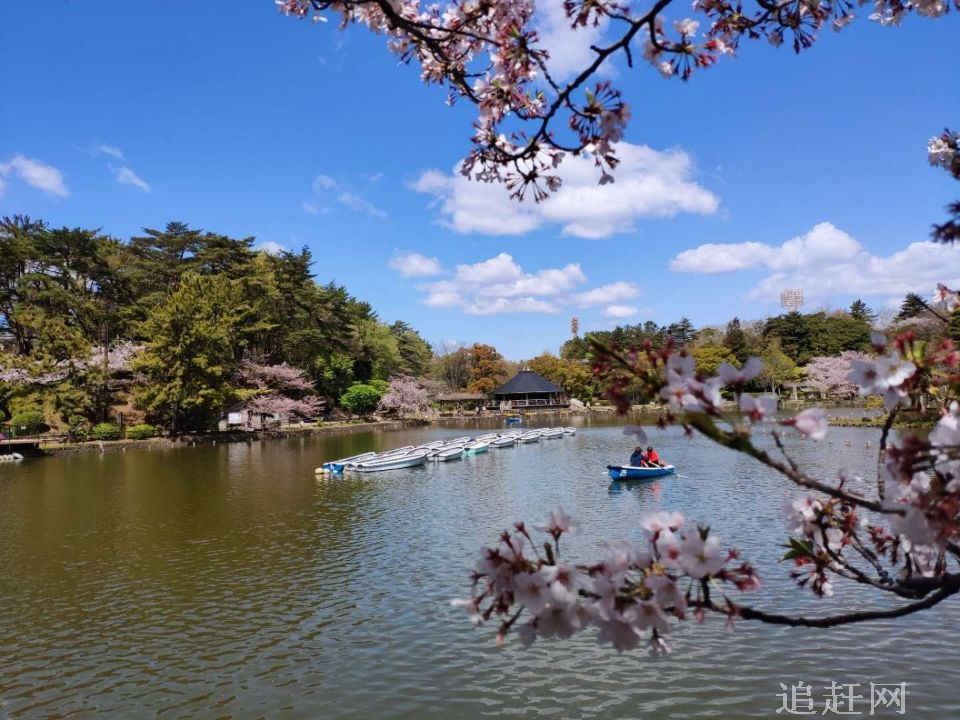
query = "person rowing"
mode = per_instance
[{"x": 650, "y": 458}]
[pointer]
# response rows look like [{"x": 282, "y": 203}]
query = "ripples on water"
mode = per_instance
[{"x": 227, "y": 582}]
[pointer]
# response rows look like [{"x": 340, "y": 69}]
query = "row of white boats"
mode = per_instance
[
  {"x": 439, "y": 451},
  {"x": 11, "y": 457}
]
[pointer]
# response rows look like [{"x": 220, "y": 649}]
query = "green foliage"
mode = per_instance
[
  {"x": 574, "y": 376},
  {"x": 709, "y": 357},
  {"x": 736, "y": 340},
  {"x": 192, "y": 352},
  {"x": 803, "y": 337},
  {"x": 912, "y": 306},
  {"x": 140, "y": 432},
  {"x": 860, "y": 311},
  {"x": 28, "y": 422},
  {"x": 415, "y": 352},
  {"x": 362, "y": 398},
  {"x": 104, "y": 431}
]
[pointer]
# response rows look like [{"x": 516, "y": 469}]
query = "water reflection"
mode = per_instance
[{"x": 230, "y": 582}]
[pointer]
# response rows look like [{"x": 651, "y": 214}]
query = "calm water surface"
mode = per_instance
[{"x": 228, "y": 582}]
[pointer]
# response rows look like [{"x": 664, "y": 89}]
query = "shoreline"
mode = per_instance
[{"x": 58, "y": 447}]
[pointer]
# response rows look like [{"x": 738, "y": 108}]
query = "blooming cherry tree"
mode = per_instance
[
  {"x": 405, "y": 395},
  {"x": 489, "y": 53},
  {"x": 902, "y": 539}
]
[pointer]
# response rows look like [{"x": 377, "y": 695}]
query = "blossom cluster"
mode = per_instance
[
  {"x": 489, "y": 53},
  {"x": 631, "y": 596},
  {"x": 888, "y": 541}
]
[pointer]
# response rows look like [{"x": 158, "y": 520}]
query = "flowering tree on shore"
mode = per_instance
[
  {"x": 404, "y": 395},
  {"x": 897, "y": 533},
  {"x": 830, "y": 374},
  {"x": 279, "y": 390}
]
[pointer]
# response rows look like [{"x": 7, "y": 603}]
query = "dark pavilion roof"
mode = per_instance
[{"x": 527, "y": 381}]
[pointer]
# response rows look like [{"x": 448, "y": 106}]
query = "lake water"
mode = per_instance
[{"x": 229, "y": 582}]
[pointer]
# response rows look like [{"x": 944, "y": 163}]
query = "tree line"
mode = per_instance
[{"x": 176, "y": 325}]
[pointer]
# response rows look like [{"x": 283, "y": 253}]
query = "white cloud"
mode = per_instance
[
  {"x": 499, "y": 285},
  {"x": 570, "y": 49},
  {"x": 822, "y": 245},
  {"x": 126, "y": 176},
  {"x": 324, "y": 185},
  {"x": 604, "y": 294},
  {"x": 649, "y": 184},
  {"x": 620, "y": 311},
  {"x": 323, "y": 182},
  {"x": 110, "y": 150},
  {"x": 441, "y": 298},
  {"x": 502, "y": 306},
  {"x": 827, "y": 262},
  {"x": 712, "y": 258},
  {"x": 415, "y": 265},
  {"x": 309, "y": 207},
  {"x": 36, "y": 174},
  {"x": 355, "y": 202},
  {"x": 271, "y": 247}
]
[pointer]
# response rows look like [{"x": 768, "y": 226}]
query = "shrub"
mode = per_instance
[
  {"x": 28, "y": 422},
  {"x": 140, "y": 432},
  {"x": 105, "y": 431}
]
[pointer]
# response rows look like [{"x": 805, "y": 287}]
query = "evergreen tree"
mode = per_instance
[
  {"x": 912, "y": 306},
  {"x": 191, "y": 354},
  {"x": 860, "y": 311}
]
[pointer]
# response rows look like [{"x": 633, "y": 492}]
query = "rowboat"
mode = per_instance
[
  {"x": 631, "y": 472},
  {"x": 530, "y": 437},
  {"x": 394, "y": 462},
  {"x": 552, "y": 433},
  {"x": 478, "y": 446},
  {"x": 11, "y": 457},
  {"x": 446, "y": 454},
  {"x": 336, "y": 466},
  {"x": 503, "y": 441}
]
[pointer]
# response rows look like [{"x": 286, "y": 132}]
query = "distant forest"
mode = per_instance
[{"x": 174, "y": 326}]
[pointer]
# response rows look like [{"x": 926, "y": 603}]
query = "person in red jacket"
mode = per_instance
[{"x": 650, "y": 457}]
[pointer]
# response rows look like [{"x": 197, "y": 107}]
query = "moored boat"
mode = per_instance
[
  {"x": 11, "y": 457},
  {"x": 478, "y": 446},
  {"x": 631, "y": 472},
  {"x": 394, "y": 462},
  {"x": 336, "y": 466}
]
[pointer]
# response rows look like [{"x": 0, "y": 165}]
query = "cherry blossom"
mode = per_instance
[{"x": 812, "y": 422}]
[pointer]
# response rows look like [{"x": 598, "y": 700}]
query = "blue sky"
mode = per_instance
[{"x": 766, "y": 172}]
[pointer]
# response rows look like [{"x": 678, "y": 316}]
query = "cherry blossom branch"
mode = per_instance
[{"x": 948, "y": 586}]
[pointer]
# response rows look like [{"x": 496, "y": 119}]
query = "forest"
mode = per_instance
[{"x": 173, "y": 327}]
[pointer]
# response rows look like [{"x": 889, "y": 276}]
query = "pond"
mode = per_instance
[{"x": 229, "y": 582}]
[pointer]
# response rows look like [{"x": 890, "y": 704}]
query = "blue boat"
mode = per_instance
[{"x": 630, "y": 472}]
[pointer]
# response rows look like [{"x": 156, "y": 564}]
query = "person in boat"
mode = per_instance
[
  {"x": 651, "y": 458},
  {"x": 637, "y": 458}
]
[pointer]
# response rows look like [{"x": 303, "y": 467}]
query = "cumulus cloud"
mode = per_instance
[
  {"x": 649, "y": 184},
  {"x": 499, "y": 285},
  {"x": 126, "y": 176},
  {"x": 325, "y": 186},
  {"x": 620, "y": 311},
  {"x": 826, "y": 262},
  {"x": 569, "y": 49},
  {"x": 415, "y": 265},
  {"x": 309, "y": 207},
  {"x": 604, "y": 294},
  {"x": 35, "y": 173}
]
